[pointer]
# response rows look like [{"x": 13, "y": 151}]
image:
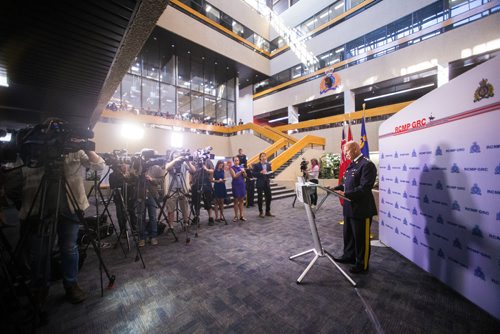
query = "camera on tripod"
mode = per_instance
[
  {"x": 201, "y": 155},
  {"x": 116, "y": 158},
  {"x": 304, "y": 165},
  {"x": 43, "y": 143}
]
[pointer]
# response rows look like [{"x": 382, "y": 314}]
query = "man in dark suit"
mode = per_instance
[
  {"x": 262, "y": 171},
  {"x": 359, "y": 178}
]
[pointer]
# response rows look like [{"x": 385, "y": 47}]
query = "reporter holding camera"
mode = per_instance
[
  {"x": 68, "y": 222},
  {"x": 201, "y": 188},
  {"x": 313, "y": 174},
  {"x": 176, "y": 188}
]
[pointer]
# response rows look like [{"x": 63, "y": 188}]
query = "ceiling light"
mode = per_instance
[
  {"x": 339, "y": 5},
  {"x": 277, "y": 119}
]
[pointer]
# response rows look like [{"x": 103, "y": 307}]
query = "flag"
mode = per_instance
[
  {"x": 343, "y": 160},
  {"x": 364, "y": 140}
]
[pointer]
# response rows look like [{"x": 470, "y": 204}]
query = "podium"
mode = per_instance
[{"x": 303, "y": 192}]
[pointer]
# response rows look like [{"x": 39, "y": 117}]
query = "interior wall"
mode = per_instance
[
  {"x": 244, "y": 108},
  {"x": 107, "y": 137},
  {"x": 250, "y": 144}
]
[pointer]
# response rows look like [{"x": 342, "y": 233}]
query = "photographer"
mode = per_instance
[
  {"x": 118, "y": 180},
  {"x": 313, "y": 176},
  {"x": 68, "y": 222},
  {"x": 175, "y": 187},
  {"x": 201, "y": 187},
  {"x": 148, "y": 180}
]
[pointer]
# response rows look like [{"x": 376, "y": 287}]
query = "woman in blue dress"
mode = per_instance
[
  {"x": 239, "y": 189},
  {"x": 219, "y": 191}
]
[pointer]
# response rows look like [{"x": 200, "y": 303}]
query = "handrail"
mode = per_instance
[
  {"x": 281, "y": 159},
  {"x": 372, "y": 112},
  {"x": 273, "y": 133},
  {"x": 291, "y": 140},
  {"x": 273, "y": 148}
]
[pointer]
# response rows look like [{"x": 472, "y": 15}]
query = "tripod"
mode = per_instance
[
  {"x": 179, "y": 194},
  {"x": 120, "y": 207},
  {"x": 197, "y": 191},
  {"x": 48, "y": 217}
]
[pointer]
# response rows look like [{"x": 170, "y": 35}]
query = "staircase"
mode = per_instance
[{"x": 286, "y": 164}]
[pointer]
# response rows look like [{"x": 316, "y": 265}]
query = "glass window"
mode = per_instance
[
  {"x": 150, "y": 95},
  {"x": 323, "y": 17},
  {"x": 183, "y": 78},
  {"x": 209, "y": 109},
  {"x": 136, "y": 67},
  {"x": 279, "y": 6},
  {"x": 355, "y": 47},
  {"x": 197, "y": 105},
  {"x": 376, "y": 38},
  {"x": 131, "y": 92},
  {"x": 209, "y": 75},
  {"x": 212, "y": 13},
  {"x": 297, "y": 71},
  {"x": 238, "y": 28},
  {"x": 221, "y": 109},
  {"x": 196, "y": 76},
  {"x": 336, "y": 9},
  {"x": 168, "y": 69},
  {"x": 117, "y": 96},
  {"x": 230, "y": 86},
  {"x": 183, "y": 102},
  {"x": 151, "y": 59},
  {"x": 167, "y": 101},
  {"x": 231, "y": 114},
  {"x": 221, "y": 91},
  {"x": 354, "y": 3}
]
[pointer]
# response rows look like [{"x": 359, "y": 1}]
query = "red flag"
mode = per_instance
[{"x": 344, "y": 162}]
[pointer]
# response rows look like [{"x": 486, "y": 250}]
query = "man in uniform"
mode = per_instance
[{"x": 359, "y": 178}]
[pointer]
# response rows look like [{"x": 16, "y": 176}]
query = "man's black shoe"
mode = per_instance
[
  {"x": 210, "y": 221},
  {"x": 344, "y": 260},
  {"x": 356, "y": 270}
]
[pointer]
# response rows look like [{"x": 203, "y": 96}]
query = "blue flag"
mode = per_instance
[{"x": 364, "y": 140}]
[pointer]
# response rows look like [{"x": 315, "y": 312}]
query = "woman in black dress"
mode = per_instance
[{"x": 220, "y": 191}]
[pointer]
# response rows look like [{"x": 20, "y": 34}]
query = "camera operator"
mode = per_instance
[
  {"x": 262, "y": 171},
  {"x": 67, "y": 227},
  {"x": 118, "y": 180},
  {"x": 176, "y": 188},
  {"x": 201, "y": 187},
  {"x": 313, "y": 176},
  {"x": 148, "y": 180}
]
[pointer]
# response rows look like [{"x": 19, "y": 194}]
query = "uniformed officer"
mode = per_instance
[{"x": 359, "y": 178}]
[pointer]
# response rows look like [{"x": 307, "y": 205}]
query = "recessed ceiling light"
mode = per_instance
[
  {"x": 215, "y": 63},
  {"x": 172, "y": 45},
  {"x": 189, "y": 52}
]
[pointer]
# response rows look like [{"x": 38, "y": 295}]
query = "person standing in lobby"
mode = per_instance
[
  {"x": 262, "y": 172},
  {"x": 359, "y": 178},
  {"x": 238, "y": 186}
]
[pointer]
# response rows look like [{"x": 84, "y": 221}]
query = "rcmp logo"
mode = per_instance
[
  {"x": 388, "y": 167},
  {"x": 383, "y": 178},
  {"x": 441, "y": 253},
  {"x": 414, "y": 154},
  {"x": 484, "y": 91},
  {"x": 383, "y": 200},
  {"x": 457, "y": 244},
  {"x": 382, "y": 157},
  {"x": 405, "y": 195},
  {"x": 396, "y": 180},
  {"x": 439, "y": 185},
  {"x": 455, "y": 169},
  {"x": 497, "y": 170},
  {"x": 455, "y": 206},
  {"x": 425, "y": 169},
  {"x": 415, "y": 211},
  {"x": 438, "y": 151},
  {"x": 426, "y": 231},
  {"x": 382, "y": 222},
  {"x": 439, "y": 219},
  {"x": 396, "y": 230},
  {"x": 396, "y": 205},
  {"x": 404, "y": 168},
  {"x": 475, "y": 148},
  {"x": 389, "y": 214},
  {"x": 476, "y": 231},
  {"x": 478, "y": 272},
  {"x": 396, "y": 154},
  {"x": 415, "y": 240},
  {"x": 475, "y": 190},
  {"x": 414, "y": 182},
  {"x": 330, "y": 82},
  {"x": 426, "y": 199},
  {"x": 389, "y": 191},
  {"x": 405, "y": 222}
]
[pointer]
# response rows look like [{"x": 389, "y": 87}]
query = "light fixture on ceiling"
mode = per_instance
[
  {"x": 277, "y": 119},
  {"x": 399, "y": 92}
]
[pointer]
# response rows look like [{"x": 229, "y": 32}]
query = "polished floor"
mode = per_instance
[{"x": 238, "y": 279}]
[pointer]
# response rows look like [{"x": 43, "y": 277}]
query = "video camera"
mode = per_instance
[
  {"x": 303, "y": 165},
  {"x": 201, "y": 155},
  {"x": 115, "y": 158},
  {"x": 43, "y": 143}
]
